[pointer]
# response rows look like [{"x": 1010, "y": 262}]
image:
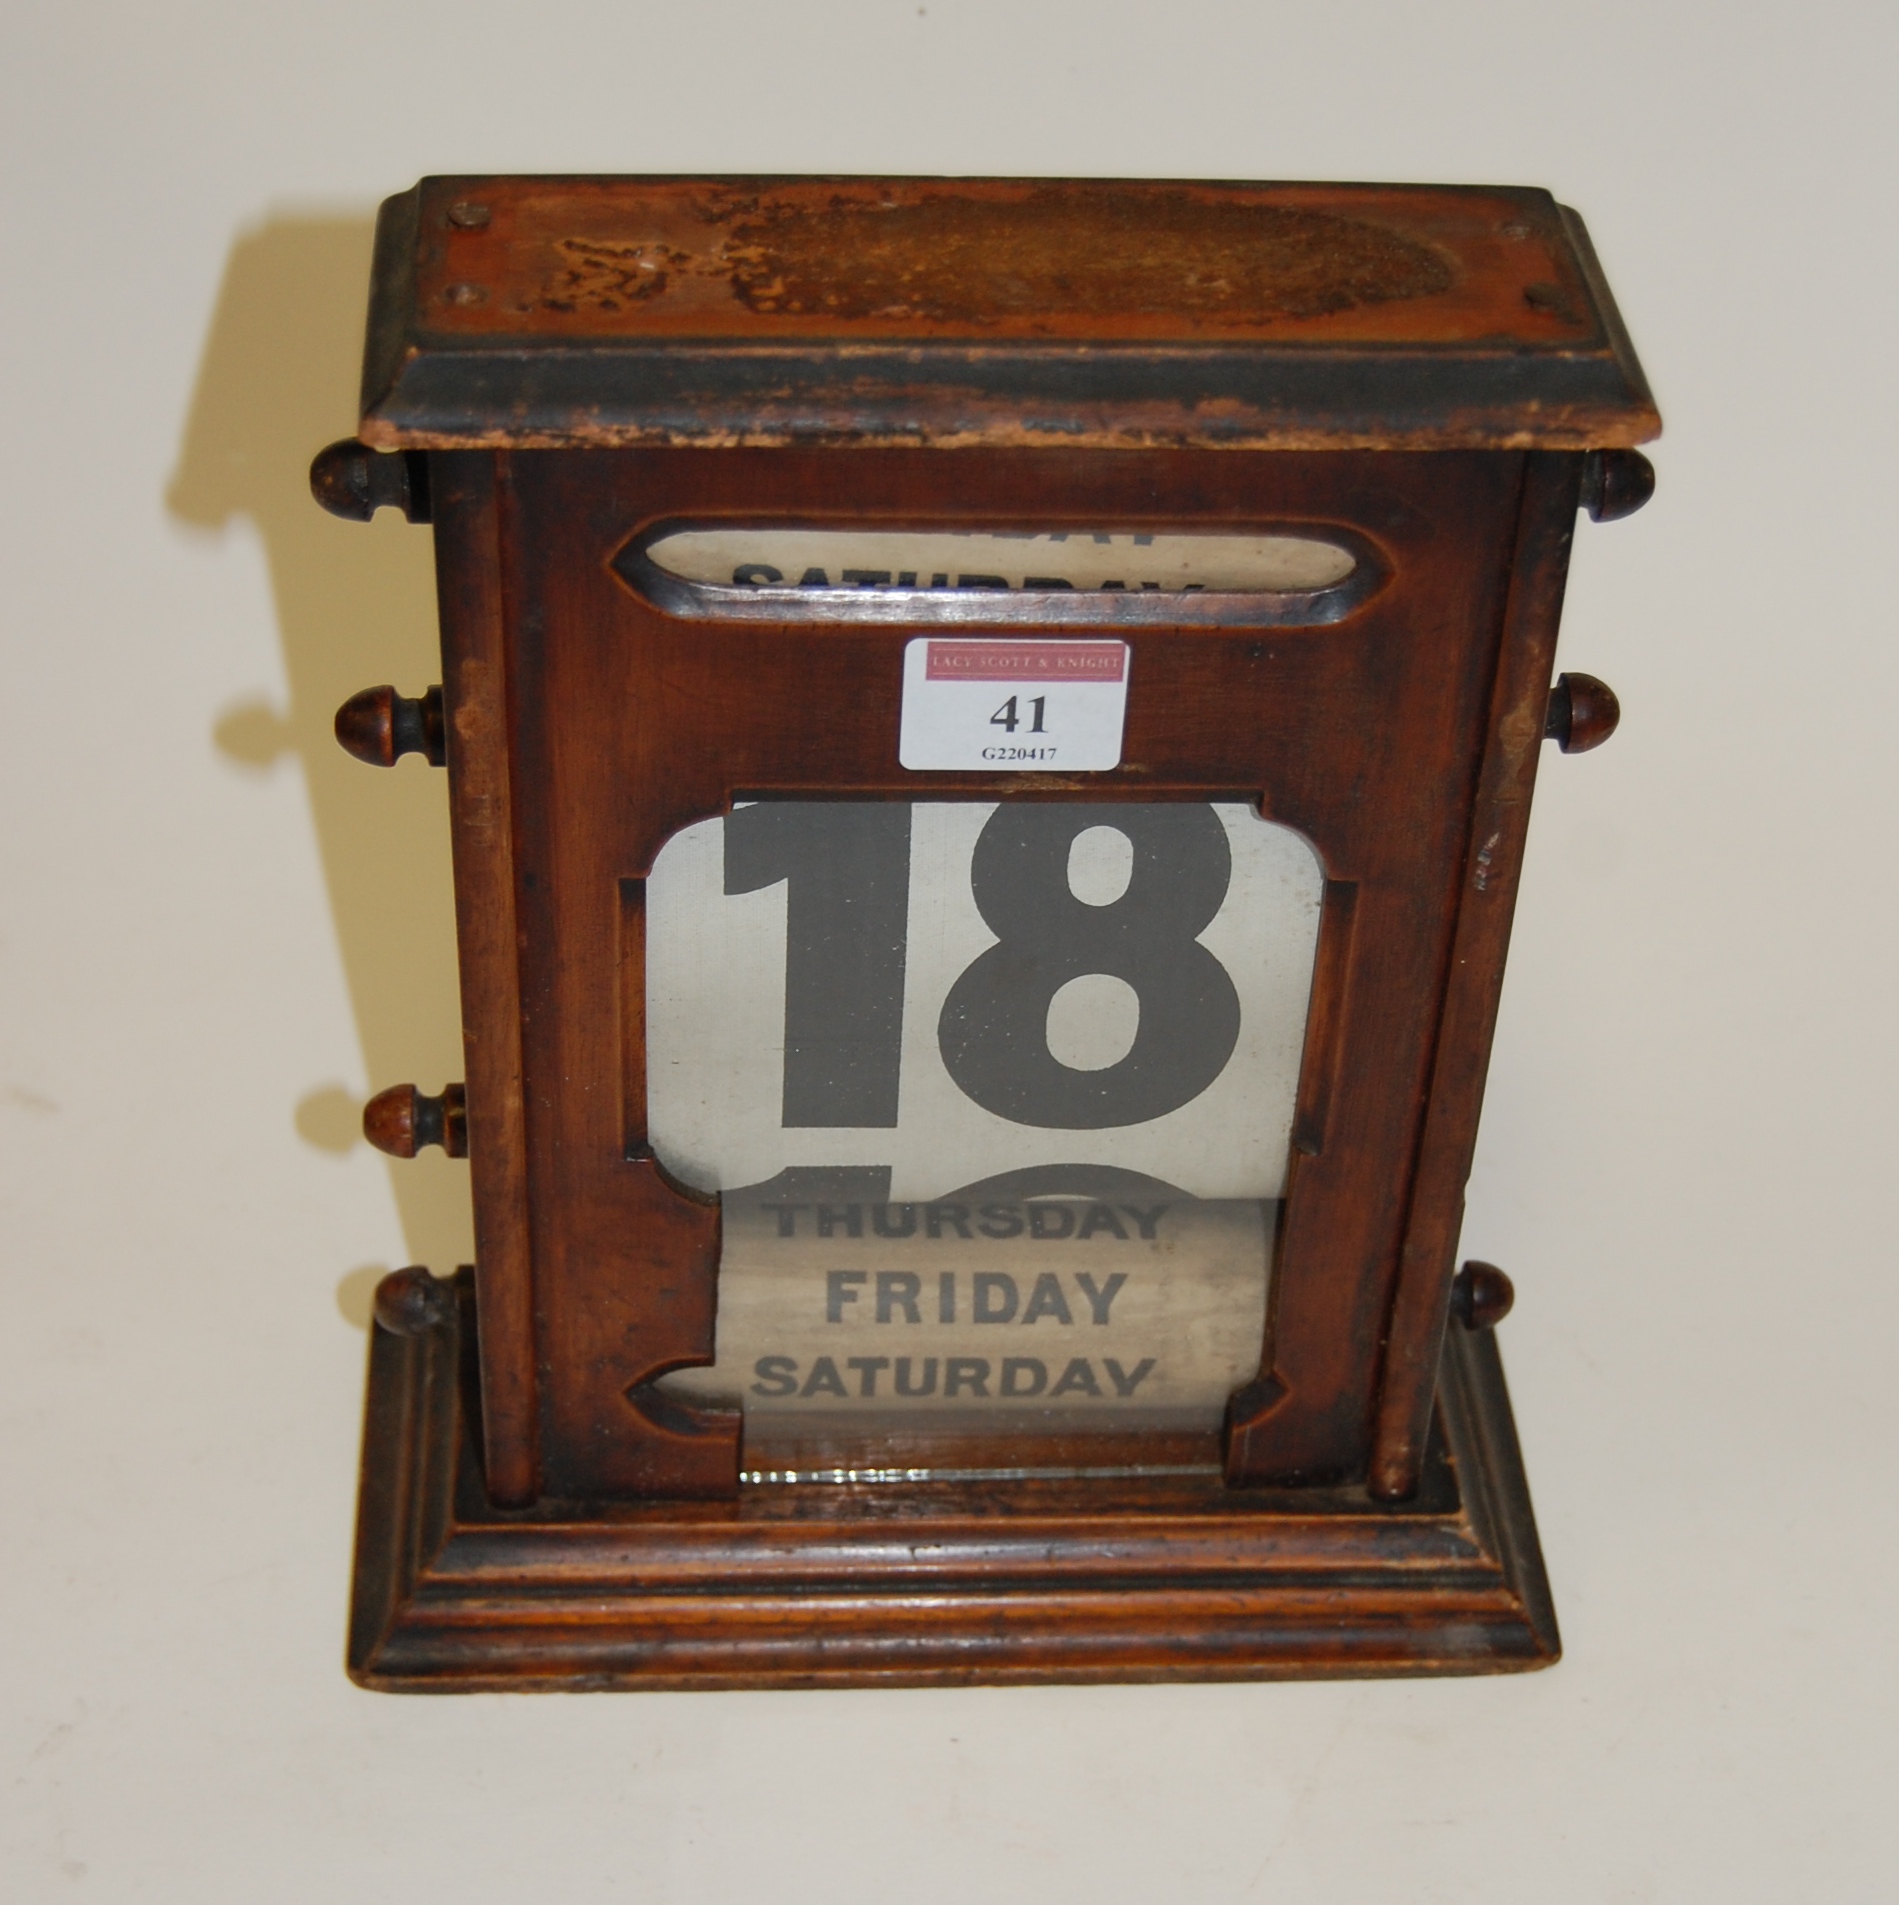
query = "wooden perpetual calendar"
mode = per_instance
[{"x": 990, "y": 728}]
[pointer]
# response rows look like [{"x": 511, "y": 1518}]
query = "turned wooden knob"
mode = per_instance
[
  {"x": 1616, "y": 483},
  {"x": 403, "y": 1120},
  {"x": 1583, "y": 713},
  {"x": 1481, "y": 1296},
  {"x": 380, "y": 726},
  {"x": 411, "y": 1302},
  {"x": 350, "y": 479}
]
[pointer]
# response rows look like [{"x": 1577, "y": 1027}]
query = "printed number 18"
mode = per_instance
[
  {"x": 1006, "y": 716},
  {"x": 847, "y": 869}
]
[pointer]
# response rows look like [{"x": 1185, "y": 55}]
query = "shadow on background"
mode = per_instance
[{"x": 356, "y": 606}]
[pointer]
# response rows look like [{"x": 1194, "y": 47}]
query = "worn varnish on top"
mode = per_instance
[{"x": 550, "y": 312}]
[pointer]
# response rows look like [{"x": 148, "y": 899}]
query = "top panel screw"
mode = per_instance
[{"x": 467, "y": 216}]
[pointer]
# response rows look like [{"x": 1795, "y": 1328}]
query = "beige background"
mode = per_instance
[{"x": 218, "y": 934}]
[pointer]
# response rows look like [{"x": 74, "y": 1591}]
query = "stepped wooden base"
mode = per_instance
[{"x": 808, "y": 1584}]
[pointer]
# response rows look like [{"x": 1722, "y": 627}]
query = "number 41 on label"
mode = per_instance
[
  {"x": 1006, "y": 717},
  {"x": 1064, "y": 712}
]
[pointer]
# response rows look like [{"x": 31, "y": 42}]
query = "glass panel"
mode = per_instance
[
  {"x": 998, "y": 1098},
  {"x": 744, "y": 556},
  {"x": 777, "y": 572}
]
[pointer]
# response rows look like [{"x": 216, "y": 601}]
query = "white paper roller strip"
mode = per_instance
[{"x": 1069, "y": 1313}]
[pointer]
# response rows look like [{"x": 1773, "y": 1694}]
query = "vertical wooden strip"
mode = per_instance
[
  {"x": 469, "y": 583},
  {"x": 1325, "y": 1017},
  {"x": 1500, "y": 820},
  {"x": 1251, "y": 1407}
]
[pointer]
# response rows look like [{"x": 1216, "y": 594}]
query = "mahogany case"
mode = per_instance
[{"x": 559, "y": 368}]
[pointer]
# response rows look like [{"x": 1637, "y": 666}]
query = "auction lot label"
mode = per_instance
[{"x": 1032, "y": 707}]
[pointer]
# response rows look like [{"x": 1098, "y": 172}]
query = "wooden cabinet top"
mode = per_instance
[{"x": 567, "y": 312}]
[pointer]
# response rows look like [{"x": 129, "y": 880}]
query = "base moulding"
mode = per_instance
[{"x": 816, "y": 1584}]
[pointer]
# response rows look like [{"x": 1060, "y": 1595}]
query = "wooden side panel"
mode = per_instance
[
  {"x": 625, "y": 1260},
  {"x": 1485, "y": 909},
  {"x": 468, "y": 560}
]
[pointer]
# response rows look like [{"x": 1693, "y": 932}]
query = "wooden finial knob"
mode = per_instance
[
  {"x": 411, "y": 1302},
  {"x": 350, "y": 479},
  {"x": 380, "y": 726},
  {"x": 1481, "y": 1296},
  {"x": 1583, "y": 713},
  {"x": 402, "y": 1121},
  {"x": 1616, "y": 483}
]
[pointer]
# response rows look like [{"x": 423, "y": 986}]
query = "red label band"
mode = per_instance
[{"x": 1026, "y": 661}]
